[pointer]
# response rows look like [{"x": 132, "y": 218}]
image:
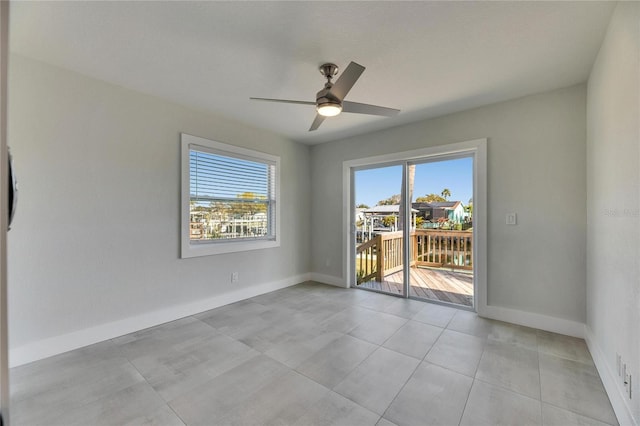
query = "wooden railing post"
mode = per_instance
[
  {"x": 414, "y": 249},
  {"x": 379, "y": 259}
]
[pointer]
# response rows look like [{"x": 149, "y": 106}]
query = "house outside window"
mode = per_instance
[{"x": 229, "y": 198}]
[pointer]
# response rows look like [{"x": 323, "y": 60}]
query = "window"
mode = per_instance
[{"x": 229, "y": 198}]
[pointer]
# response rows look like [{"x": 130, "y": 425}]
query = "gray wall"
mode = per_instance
[
  {"x": 613, "y": 200},
  {"x": 96, "y": 237},
  {"x": 536, "y": 168}
]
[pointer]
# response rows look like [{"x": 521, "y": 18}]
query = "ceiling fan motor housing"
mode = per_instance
[
  {"x": 326, "y": 103},
  {"x": 324, "y": 97}
]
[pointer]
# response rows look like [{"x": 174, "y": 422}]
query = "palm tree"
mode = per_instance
[{"x": 446, "y": 193}]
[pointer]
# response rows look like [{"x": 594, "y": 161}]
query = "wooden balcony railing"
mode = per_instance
[
  {"x": 450, "y": 249},
  {"x": 367, "y": 261},
  {"x": 383, "y": 254}
]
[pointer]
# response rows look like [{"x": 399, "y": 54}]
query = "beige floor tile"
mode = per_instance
[
  {"x": 378, "y": 379},
  {"x": 335, "y": 410},
  {"x": 414, "y": 339},
  {"x": 493, "y": 405},
  {"x": 510, "y": 366},
  {"x": 575, "y": 386},
  {"x": 563, "y": 346},
  {"x": 433, "y": 314},
  {"x": 330, "y": 365},
  {"x": 379, "y": 328},
  {"x": 457, "y": 351},
  {"x": 555, "y": 416},
  {"x": 470, "y": 323},
  {"x": 432, "y": 396},
  {"x": 517, "y": 335}
]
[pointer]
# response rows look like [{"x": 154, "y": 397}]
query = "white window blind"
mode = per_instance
[{"x": 232, "y": 195}]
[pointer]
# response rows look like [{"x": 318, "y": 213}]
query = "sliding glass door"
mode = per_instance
[
  {"x": 413, "y": 228},
  {"x": 442, "y": 239},
  {"x": 379, "y": 223}
]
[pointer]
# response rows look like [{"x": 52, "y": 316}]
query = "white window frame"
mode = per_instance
[{"x": 213, "y": 247}]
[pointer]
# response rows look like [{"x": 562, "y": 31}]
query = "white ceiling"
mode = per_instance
[{"x": 425, "y": 58}]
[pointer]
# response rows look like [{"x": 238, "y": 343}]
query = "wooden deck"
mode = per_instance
[{"x": 427, "y": 283}]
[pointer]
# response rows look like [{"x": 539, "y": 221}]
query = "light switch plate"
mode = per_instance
[{"x": 511, "y": 219}]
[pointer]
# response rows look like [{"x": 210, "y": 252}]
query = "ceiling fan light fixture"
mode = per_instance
[{"x": 329, "y": 109}]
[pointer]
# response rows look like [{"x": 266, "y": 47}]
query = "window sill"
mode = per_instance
[{"x": 204, "y": 249}]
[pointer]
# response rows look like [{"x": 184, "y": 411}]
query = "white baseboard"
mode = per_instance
[
  {"x": 618, "y": 399},
  {"x": 88, "y": 336},
  {"x": 530, "y": 319},
  {"x": 328, "y": 279}
]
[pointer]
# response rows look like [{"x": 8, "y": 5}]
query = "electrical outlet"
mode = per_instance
[
  {"x": 234, "y": 277},
  {"x": 627, "y": 379}
]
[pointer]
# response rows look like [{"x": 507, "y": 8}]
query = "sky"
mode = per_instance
[{"x": 373, "y": 185}]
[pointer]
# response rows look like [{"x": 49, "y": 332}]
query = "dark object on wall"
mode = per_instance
[{"x": 13, "y": 192}]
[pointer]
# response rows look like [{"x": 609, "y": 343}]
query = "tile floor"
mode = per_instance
[{"x": 319, "y": 355}]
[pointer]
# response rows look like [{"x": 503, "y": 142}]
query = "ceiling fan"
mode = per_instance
[{"x": 330, "y": 100}]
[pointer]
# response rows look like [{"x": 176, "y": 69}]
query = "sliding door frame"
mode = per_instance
[
  {"x": 477, "y": 149},
  {"x": 352, "y": 239},
  {"x": 4, "y": 216}
]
